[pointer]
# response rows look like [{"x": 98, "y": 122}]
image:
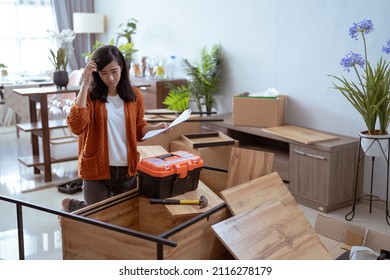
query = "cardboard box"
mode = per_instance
[
  {"x": 63, "y": 147},
  {"x": 259, "y": 111},
  {"x": 333, "y": 234},
  {"x": 339, "y": 236}
]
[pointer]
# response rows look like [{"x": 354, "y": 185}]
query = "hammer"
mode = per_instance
[{"x": 202, "y": 201}]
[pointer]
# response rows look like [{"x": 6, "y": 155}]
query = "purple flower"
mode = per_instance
[
  {"x": 351, "y": 59},
  {"x": 365, "y": 26},
  {"x": 386, "y": 48}
]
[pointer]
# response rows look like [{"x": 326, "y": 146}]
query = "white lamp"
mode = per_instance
[{"x": 88, "y": 23}]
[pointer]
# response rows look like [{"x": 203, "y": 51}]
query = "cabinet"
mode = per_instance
[
  {"x": 156, "y": 91},
  {"x": 321, "y": 176}
]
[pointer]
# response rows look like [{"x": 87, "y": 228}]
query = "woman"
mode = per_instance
[{"x": 108, "y": 118}]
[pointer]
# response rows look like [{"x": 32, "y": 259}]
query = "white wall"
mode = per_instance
[{"x": 289, "y": 45}]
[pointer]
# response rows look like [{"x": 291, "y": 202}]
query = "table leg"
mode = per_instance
[
  {"x": 34, "y": 137},
  {"x": 46, "y": 138}
]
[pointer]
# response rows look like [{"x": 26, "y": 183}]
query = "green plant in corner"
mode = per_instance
[
  {"x": 370, "y": 95},
  {"x": 204, "y": 81}
]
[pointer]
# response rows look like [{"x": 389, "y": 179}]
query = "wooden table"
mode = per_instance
[{"x": 42, "y": 128}]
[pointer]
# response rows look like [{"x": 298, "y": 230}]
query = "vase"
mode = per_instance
[
  {"x": 374, "y": 145},
  {"x": 60, "y": 79}
]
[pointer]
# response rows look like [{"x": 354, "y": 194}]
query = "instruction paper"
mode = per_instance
[{"x": 183, "y": 117}]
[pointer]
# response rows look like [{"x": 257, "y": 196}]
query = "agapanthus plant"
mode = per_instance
[{"x": 370, "y": 94}]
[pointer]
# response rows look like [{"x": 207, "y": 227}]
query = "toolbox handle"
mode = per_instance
[{"x": 165, "y": 156}]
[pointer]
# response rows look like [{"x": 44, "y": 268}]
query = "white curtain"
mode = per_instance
[{"x": 63, "y": 10}]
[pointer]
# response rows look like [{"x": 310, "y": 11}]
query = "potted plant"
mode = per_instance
[
  {"x": 60, "y": 57},
  {"x": 204, "y": 81},
  {"x": 3, "y": 69},
  {"x": 370, "y": 94},
  {"x": 126, "y": 48}
]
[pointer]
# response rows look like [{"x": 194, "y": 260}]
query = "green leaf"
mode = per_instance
[{"x": 177, "y": 98}]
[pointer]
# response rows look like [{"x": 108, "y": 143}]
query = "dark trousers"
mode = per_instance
[{"x": 98, "y": 190}]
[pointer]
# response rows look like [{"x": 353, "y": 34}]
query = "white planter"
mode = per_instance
[{"x": 375, "y": 145}]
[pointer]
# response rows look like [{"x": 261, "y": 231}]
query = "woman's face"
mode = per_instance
[{"x": 111, "y": 74}]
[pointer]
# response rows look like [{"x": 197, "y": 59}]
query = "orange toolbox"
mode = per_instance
[{"x": 169, "y": 174}]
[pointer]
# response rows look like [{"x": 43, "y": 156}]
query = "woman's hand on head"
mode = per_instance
[{"x": 89, "y": 69}]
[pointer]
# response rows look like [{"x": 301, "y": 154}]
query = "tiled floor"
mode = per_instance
[{"x": 42, "y": 233}]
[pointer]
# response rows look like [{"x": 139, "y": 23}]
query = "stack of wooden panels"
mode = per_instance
[{"x": 267, "y": 223}]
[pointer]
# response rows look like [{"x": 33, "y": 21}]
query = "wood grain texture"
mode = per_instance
[
  {"x": 300, "y": 134},
  {"x": 324, "y": 180},
  {"x": 247, "y": 164},
  {"x": 198, "y": 241},
  {"x": 177, "y": 211},
  {"x": 149, "y": 214},
  {"x": 273, "y": 230},
  {"x": 215, "y": 180},
  {"x": 151, "y": 150},
  {"x": 256, "y": 192},
  {"x": 82, "y": 241}
]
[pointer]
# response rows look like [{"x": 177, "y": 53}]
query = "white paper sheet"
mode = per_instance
[{"x": 183, "y": 117}]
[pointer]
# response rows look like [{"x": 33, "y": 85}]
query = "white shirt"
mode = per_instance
[{"x": 117, "y": 147}]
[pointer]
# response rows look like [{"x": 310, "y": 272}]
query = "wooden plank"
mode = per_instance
[
  {"x": 300, "y": 134},
  {"x": 198, "y": 241},
  {"x": 38, "y": 126},
  {"x": 273, "y": 230},
  {"x": 178, "y": 211},
  {"x": 215, "y": 180},
  {"x": 82, "y": 241},
  {"x": 247, "y": 164},
  {"x": 256, "y": 192},
  {"x": 150, "y": 213},
  {"x": 208, "y": 139},
  {"x": 45, "y": 90},
  {"x": 149, "y": 151}
]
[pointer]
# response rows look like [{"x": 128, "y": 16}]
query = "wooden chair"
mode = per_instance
[{"x": 244, "y": 165}]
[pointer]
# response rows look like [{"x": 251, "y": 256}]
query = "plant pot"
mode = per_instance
[
  {"x": 374, "y": 145},
  {"x": 60, "y": 79}
]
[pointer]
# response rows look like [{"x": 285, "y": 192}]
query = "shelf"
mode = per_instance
[
  {"x": 31, "y": 161},
  {"x": 38, "y": 126},
  {"x": 319, "y": 175}
]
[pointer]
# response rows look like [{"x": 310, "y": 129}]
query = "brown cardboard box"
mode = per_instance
[
  {"x": 259, "y": 111},
  {"x": 339, "y": 236}
]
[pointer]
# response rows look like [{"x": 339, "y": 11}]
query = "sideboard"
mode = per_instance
[
  {"x": 321, "y": 175},
  {"x": 156, "y": 91}
]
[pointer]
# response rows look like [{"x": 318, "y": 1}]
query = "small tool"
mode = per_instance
[{"x": 202, "y": 201}]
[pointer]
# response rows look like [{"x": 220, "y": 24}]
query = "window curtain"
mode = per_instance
[{"x": 63, "y": 10}]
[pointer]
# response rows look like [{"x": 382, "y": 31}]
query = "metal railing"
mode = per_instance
[{"x": 19, "y": 216}]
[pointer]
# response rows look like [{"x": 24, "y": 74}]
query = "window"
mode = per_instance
[{"x": 24, "y": 40}]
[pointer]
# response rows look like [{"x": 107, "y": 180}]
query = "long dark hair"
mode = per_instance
[{"x": 103, "y": 56}]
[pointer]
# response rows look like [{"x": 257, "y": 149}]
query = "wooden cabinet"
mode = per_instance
[
  {"x": 155, "y": 90},
  {"x": 321, "y": 176}
]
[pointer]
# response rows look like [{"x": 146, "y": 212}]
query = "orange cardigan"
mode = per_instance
[{"x": 90, "y": 125}]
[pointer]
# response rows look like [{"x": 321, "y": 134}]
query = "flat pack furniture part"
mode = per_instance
[{"x": 267, "y": 224}]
